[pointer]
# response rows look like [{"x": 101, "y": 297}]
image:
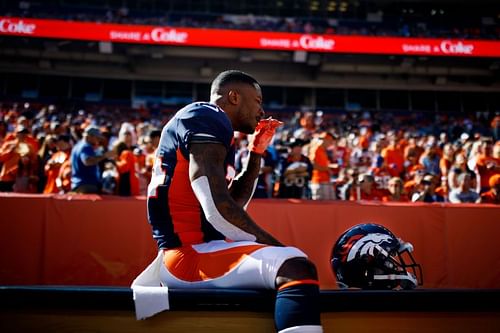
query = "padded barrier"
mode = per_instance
[{"x": 93, "y": 240}]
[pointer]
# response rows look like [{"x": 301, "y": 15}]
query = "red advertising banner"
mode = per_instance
[{"x": 162, "y": 35}]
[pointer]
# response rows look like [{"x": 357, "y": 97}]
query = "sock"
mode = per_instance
[{"x": 297, "y": 305}]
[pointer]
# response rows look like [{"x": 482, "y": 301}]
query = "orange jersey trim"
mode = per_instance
[
  {"x": 298, "y": 282},
  {"x": 188, "y": 265},
  {"x": 184, "y": 208}
]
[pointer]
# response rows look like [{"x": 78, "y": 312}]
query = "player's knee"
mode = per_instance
[{"x": 296, "y": 269}]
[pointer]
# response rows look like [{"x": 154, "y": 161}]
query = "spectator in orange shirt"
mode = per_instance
[
  {"x": 493, "y": 195},
  {"x": 17, "y": 158},
  {"x": 487, "y": 164},
  {"x": 321, "y": 184},
  {"x": 413, "y": 148},
  {"x": 63, "y": 180},
  {"x": 365, "y": 189},
  {"x": 415, "y": 178},
  {"x": 393, "y": 156},
  {"x": 128, "y": 182},
  {"x": 23, "y": 122},
  {"x": 53, "y": 166}
]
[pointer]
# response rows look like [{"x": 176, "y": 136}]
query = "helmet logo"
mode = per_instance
[
  {"x": 348, "y": 245},
  {"x": 367, "y": 244}
]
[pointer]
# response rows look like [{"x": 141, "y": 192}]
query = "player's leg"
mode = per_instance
[
  {"x": 220, "y": 264},
  {"x": 297, "y": 301}
]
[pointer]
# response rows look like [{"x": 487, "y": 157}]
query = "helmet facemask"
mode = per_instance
[{"x": 392, "y": 271}]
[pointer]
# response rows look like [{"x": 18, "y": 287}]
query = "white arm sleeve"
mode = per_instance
[
  {"x": 251, "y": 195},
  {"x": 201, "y": 189}
]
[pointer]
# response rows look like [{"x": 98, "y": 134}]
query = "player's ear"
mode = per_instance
[{"x": 233, "y": 97}]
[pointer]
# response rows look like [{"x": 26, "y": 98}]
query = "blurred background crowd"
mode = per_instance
[
  {"x": 316, "y": 155},
  {"x": 80, "y": 116}
]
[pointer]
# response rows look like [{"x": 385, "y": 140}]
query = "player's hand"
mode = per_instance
[{"x": 263, "y": 135}]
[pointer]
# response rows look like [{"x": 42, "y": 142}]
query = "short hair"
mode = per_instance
[
  {"x": 155, "y": 133},
  {"x": 231, "y": 76}
]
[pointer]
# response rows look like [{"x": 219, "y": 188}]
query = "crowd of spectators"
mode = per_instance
[
  {"x": 315, "y": 155},
  {"x": 404, "y": 22}
]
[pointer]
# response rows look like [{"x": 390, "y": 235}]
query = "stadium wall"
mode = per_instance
[{"x": 106, "y": 241}]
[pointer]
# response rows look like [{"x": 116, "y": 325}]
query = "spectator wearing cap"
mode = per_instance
[
  {"x": 295, "y": 172},
  {"x": 493, "y": 195},
  {"x": 365, "y": 189},
  {"x": 85, "y": 173},
  {"x": 426, "y": 191},
  {"x": 23, "y": 124}
]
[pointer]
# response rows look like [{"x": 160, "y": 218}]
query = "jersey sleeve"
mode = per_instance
[{"x": 205, "y": 124}]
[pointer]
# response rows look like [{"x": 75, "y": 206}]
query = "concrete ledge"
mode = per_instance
[
  {"x": 120, "y": 298},
  {"x": 94, "y": 309}
]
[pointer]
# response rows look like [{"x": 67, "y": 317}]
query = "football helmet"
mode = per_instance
[{"x": 370, "y": 256}]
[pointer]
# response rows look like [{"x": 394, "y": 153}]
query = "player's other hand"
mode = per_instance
[{"x": 263, "y": 135}]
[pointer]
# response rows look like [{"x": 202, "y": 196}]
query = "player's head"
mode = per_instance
[
  {"x": 240, "y": 96},
  {"x": 370, "y": 256}
]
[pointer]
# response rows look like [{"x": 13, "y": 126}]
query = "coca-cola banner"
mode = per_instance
[{"x": 143, "y": 34}]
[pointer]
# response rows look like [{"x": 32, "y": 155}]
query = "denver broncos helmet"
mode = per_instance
[{"x": 370, "y": 256}]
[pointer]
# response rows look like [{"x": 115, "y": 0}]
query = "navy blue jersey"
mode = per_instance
[{"x": 174, "y": 212}]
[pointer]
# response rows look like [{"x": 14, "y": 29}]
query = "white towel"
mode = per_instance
[{"x": 150, "y": 297}]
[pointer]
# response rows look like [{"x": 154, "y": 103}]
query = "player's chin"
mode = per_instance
[{"x": 249, "y": 129}]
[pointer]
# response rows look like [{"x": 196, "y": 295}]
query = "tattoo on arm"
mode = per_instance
[
  {"x": 243, "y": 185},
  {"x": 207, "y": 159}
]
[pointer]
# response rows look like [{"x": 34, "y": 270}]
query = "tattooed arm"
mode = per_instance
[
  {"x": 207, "y": 176},
  {"x": 243, "y": 185}
]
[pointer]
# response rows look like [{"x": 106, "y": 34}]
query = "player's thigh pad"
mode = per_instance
[{"x": 221, "y": 264}]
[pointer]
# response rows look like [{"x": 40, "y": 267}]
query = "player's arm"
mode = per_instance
[
  {"x": 207, "y": 176},
  {"x": 243, "y": 185}
]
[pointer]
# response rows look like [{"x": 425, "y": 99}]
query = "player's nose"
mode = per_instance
[{"x": 262, "y": 113}]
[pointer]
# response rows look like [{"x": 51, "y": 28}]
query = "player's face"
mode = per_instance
[{"x": 251, "y": 111}]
